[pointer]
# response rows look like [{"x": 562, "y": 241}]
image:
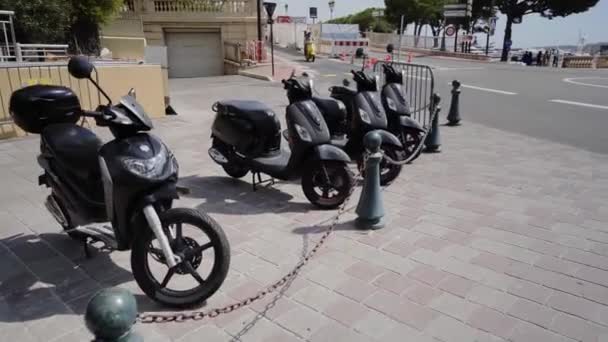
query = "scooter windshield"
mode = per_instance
[{"x": 136, "y": 110}]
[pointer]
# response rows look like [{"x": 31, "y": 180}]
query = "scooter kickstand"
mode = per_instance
[
  {"x": 270, "y": 181},
  {"x": 87, "y": 251}
]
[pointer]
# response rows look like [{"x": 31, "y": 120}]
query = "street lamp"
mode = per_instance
[
  {"x": 270, "y": 8},
  {"x": 332, "y": 5}
]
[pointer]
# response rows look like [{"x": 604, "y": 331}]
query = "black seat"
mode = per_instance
[{"x": 75, "y": 148}]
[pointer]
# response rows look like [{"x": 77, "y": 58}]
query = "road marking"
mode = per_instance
[
  {"x": 572, "y": 80},
  {"x": 329, "y": 75},
  {"x": 580, "y": 104},
  {"x": 487, "y": 89}
]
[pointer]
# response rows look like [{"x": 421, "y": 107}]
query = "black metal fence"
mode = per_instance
[{"x": 418, "y": 87}]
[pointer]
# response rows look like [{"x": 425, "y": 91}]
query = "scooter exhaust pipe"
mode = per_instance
[{"x": 217, "y": 156}]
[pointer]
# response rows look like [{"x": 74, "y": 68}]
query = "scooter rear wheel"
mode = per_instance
[
  {"x": 327, "y": 184},
  {"x": 196, "y": 238}
]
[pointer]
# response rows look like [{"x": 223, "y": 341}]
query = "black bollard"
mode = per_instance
[
  {"x": 111, "y": 315},
  {"x": 454, "y": 114},
  {"x": 432, "y": 143},
  {"x": 370, "y": 211}
]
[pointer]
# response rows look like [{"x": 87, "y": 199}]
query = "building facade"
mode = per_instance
[{"x": 189, "y": 36}]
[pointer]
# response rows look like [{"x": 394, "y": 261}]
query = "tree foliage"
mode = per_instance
[
  {"x": 546, "y": 8},
  {"x": 58, "y": 21},
  {"x": 40, "y": 21},
  {"x": 365, "y": 19}
]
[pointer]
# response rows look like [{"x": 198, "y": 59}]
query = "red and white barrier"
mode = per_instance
[{"x": 341, "y": 48}]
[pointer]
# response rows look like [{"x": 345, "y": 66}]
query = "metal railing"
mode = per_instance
[
  {"x": 33, "y": 52},
  {"x": 202, "y": 6},
  {"x": 418, "y": 87}
]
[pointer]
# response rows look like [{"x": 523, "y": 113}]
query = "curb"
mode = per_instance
[{"x": 256, "y": 76}]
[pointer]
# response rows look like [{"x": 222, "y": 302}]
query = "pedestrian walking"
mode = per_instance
[
  {"x": 539, "y": 58},
  {"x": 546, "y": 58}
]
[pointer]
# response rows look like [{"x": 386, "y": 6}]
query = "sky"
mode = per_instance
[{"x": 534, "y": 31}]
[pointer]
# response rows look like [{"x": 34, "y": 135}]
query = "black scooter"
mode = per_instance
[
  {"x": 364, "y": 113},
  {"x": 247, "y": 137},
  {"x": 130, "y": 182},
  {"x": 398, "y": 112}
]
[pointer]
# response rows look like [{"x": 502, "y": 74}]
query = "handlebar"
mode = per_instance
[{"x": 104, "y": 114}]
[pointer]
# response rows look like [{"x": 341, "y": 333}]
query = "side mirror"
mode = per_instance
[
  {"x": 80, "y": 67},
  {"x": 346, "y": 83}
]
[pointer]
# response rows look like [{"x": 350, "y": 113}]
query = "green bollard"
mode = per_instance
[
  {"x": 432, "y": 143},
  {"x": 370, "y": 210},
  {"x": 111, "y": 315},
  {"x": 454, "y": 114}
]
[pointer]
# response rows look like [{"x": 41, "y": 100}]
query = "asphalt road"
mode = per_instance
[{"x": 568, "y": 106}]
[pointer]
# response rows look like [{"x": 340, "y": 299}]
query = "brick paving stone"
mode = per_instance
[
  {"x": 433, "y": 244},
  {"x": 531, "y": 291},
  {"x": 208, "y": 332},
  {"x": 453, "y": 306},
  {"x": 393, "y": 282},
  {"x": 580, "y": 307},
  {"x": 428, "y": 275},
  {"x": 421, "y": 293},
  {"x": 401, "y": 248},
  {"x": 401, "y": 310},
  {"x": 492, "y": 261},
  {"x": 579, "y": 329},
  {"x": 334, "y": 332},
  {"x": 532, "y": 312},
  {"x": 316, "y": 297},
  {"x": 403, "y": 333},
  {"x": 355, "y": 289},
  {"x": 302, "y": 321},
  {"x": 376, "y": 325},
  {"x": 450, "y": 330},
  {"x": 526, "y": 332},
  {"x": 346, "y": 311},
  {"x": 365, "y": 271},
  {"x": 492, "y": 298},
  {"x": 492, "y": 321},
  {"x": 456, "y": 285}
]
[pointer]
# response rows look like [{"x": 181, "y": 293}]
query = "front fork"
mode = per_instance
[{"x": 157, "y": 228}]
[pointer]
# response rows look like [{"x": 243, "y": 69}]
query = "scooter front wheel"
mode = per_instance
[
  {"x": 327, "y": 184},
  {"x": 205, "y": 258}
]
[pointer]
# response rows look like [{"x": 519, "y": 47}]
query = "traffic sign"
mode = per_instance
[
  {"x": 313, "y": 13},
  {"x": 456, "y": 14},
  {"x": 450, "y": 31}
]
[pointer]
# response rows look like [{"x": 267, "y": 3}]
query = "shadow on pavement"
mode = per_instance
[
  {"x": 43, "y": 273},
  {"x": 225, "y": 195},
  {"x": 320, "y": 229}
]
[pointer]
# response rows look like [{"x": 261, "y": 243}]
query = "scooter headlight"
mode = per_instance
[
  {"x": 365, "y": 116},
  {"x": 151, "y": 168},
  {"x": 391, "y": 104},
  {"x": 303, "y": 133}
]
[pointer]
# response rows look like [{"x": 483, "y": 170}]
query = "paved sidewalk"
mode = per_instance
[{"x": 500, "y": 237}]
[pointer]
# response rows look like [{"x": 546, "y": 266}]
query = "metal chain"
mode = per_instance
[{"x": 200, "y": 315}]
